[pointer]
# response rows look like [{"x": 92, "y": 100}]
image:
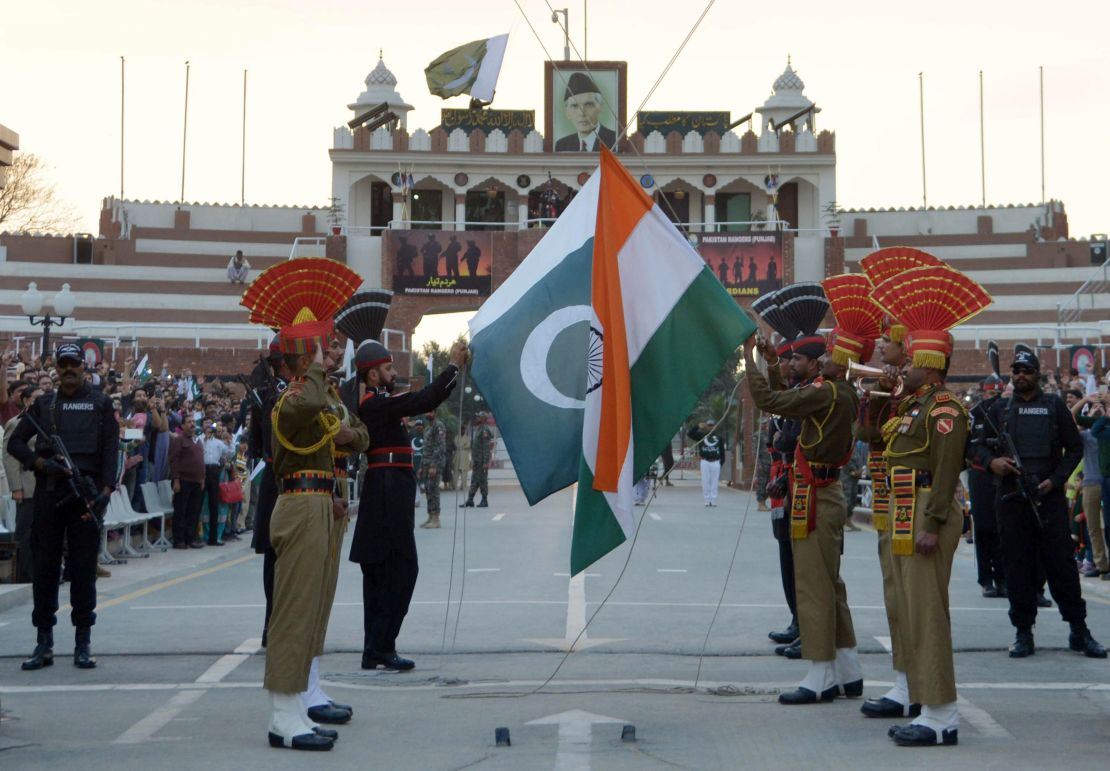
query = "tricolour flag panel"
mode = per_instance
[{"x": 615, "y": 327}]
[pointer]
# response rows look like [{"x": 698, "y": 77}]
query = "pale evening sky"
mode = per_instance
[{"x": 60, "y": 87}]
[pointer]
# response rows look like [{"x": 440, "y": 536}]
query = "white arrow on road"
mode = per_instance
[
  {"x": 576, "y": 621},
  {"x": 575, "y": 729}
]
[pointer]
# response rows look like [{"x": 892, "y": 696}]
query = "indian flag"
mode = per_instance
[
  {"x": 471, "y": 68},
  {"x": 595, "y": 349}
]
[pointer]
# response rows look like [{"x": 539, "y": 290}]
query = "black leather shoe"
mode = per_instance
[
  {"x": 1082, "y": 642},
  {"x": 196, "y": 545},
  {"x": 788, "y": 635},
  {"x": 326, "y": 713},
  {"x": 1023, "y": 645},
  {"x": 83, "y": 658},
  {"x": 802, "y": 695},
  {"x": 990, "y": 590},
  {"x": 327, "y": 733},
  {"x": 468, "y": 503},
  {"x": 1042, "y": 601},
  {"x": 791, "y": 651},
  {"x": 852, "y": 690},
  {"x": 483, "y": 504},
  {"x": 923, "y": 736},
  {"x": 374, "y": 659},
  {"x": 302, "y": 742},
  {"x": 885, "y": 707},
  {"x": 43, "y": 655},
  {"x": 343, "y": 707}
]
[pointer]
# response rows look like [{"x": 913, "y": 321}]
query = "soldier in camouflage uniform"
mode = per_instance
[
  {"x": 481, "y": 451},
  {"x": 435, "y": 456}
]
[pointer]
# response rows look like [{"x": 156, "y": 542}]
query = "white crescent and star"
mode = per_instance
[{"x": 537, "y": 349}]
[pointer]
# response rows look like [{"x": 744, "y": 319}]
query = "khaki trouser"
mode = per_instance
[
  {"x": 928, "y": 625},
  {"x": 246, "y": 505},
  {"x": 824, "y": 620},
  {"x": 892, "y": 599},
  {"x": 302, "y": 533},
  {"x": 335, "y": 546},
  {"x": 1092, "y": 507}
]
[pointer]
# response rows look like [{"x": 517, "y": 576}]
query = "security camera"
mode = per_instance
[{"x": 555, "y": 17}]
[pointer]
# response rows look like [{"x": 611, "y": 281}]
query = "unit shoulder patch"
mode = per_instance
[
  {"x": 945, "y": 425},
  {"x": 946, "y": 409},
  {"x": 944, "y": 396}
]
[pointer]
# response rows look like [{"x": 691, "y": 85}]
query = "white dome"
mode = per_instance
[
  {"x": 381, "y": 86},
  {"x": 788, "y": 81},
  {"x": 381, "y": 76}
]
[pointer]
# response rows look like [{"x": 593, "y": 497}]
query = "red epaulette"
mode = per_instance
[{"x": 369, "y": 395}]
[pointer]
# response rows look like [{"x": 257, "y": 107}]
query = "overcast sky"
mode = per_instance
[{"x": 60, "y": 73}]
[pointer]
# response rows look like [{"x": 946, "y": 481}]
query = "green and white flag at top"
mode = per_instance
[
  {"x": 469, "y": 69},
  {"x": 593, "y": 351}
]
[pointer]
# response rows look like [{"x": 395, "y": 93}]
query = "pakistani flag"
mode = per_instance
[
  {"x": 595, "y": 349},
  {"x": 469, "y": 69}
]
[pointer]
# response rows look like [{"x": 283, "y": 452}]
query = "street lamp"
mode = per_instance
[{"x": 32, "y": 301}]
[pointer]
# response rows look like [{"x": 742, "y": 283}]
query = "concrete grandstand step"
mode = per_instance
[{"x": 171, "y": 260}]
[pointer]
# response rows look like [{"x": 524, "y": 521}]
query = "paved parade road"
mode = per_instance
[{"x": 179, "y": 678}]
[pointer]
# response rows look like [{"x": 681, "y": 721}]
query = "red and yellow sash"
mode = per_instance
[
  {"x": 903, "y": 483},
  {"x": 803, "y": 509},
  {"x": 880, "y": 490}
]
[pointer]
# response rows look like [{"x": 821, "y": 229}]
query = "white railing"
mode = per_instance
[
  {"x": 318, "y": 241},
  {"x": 707, "y": 227},
  {"x": 1056, "y": 333},
  {"x": 1072, "y": 309}
]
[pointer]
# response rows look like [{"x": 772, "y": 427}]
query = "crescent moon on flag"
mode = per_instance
[{"x": 537, "y": 348}]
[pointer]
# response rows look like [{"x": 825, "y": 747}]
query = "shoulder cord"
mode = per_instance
[
  {"x": 328, "y": 421},
  {"x": 820, "y": 425},
  {"x": 914, "y": 451}
]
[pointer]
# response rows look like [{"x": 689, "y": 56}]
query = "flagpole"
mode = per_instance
[
  {"x": 121, "y": 102},
  {"x": 586, "y": 30},
  {"x": 982, "y": 144},
  {"x": 921, "y": 94},
  {"x": 1041, "y": 69},
  {"x": 184, "y": 134},
  {"x": 243, "y": 154}
]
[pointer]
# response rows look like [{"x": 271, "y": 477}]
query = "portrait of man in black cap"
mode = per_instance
[{"x": 586, "y": 112}]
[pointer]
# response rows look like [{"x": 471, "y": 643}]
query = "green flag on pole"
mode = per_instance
[{"x": 469, "y": 69}]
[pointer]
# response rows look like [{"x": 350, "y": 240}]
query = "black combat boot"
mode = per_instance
[
  {"x": 1023, "y": 644},
  {"x": 469, "y": 503},
  {"x": 43, "y": 655},
  {"x": 82, "y": 653},
  {"x": 483, "y": 504},
  {"x": 1080, "y": 640}
]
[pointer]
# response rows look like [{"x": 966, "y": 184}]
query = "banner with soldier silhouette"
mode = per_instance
[
  {"x": 440, "y": 262},
  {"x": 748, "y": 264}
]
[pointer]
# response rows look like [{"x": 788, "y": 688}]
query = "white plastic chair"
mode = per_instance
[
  {"x": 156, "y": 510},
  {"x": 113, "y": 520},
  {"x": 132, "y": 517}
]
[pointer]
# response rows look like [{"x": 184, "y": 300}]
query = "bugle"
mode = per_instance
[{"x": 861, "y": 373}]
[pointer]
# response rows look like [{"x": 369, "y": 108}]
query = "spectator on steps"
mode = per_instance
[{"x": 238, "y": 268}]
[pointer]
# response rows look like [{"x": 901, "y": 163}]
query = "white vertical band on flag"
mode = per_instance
[
  {"x": 574, "y": 227},
  {"x": 490, "y": 68}
]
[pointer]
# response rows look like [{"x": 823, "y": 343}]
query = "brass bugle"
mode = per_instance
[{"x": 862, "y": 372}]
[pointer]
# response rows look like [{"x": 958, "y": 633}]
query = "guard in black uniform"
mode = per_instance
[
  {"x": 268, "y": 386},
  {"x": 86, "y": 424},
  {"x": 383, "y": 543},
  {"x": 1048, "y": 444},
  {"x": 981, "y": 484}
]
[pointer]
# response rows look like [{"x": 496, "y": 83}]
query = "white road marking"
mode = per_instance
[
  {"x": 625, "y": 603},
  {"x": 670, "y": 570},
  {"x": 981, "y": 720},
  {"x": 498, "y": 517},
  {"x": 158, "y": 719},
  {"x": 483, "y": 570},
  {"x": 654, "y": 516},
  {"x": 886, "y": 643},
  {"x": 575, "y": 737},
  {"x": 567, "y": 575}
]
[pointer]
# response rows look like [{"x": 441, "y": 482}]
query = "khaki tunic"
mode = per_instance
[
  {"x": 931, "y": 434},
  {"x": 828, "y": 412},
  {"x": 305, "y": 535}
]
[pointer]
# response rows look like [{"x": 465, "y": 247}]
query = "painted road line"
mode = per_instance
[
  {"x": 981, "y": 720},
  {"x": 158, "y": 719},
  {"x": 670, "y": 570},
  {"x": 886, "y": 643},
  {"x": 654, "y": 516},
  {"x": 483, "y": 570},
  {"x": 575, "y": 737},
  {"x": 498, "y": 517},
  {"x": 611, "y": 603}
]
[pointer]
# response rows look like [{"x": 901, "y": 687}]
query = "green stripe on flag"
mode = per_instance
[{"x": 596, "y": 531}]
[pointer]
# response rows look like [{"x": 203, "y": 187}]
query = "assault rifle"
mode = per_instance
[
  {"x": 1026, "y": 482},
  {"x": 81, "y": 487}
]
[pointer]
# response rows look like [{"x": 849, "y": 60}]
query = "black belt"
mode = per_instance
[
  {"x": 307, "y": 485},
  {"x": 825, "y": 473},
  {"x": 924, "y": 479},
  {"x": 390, "y": 457}
]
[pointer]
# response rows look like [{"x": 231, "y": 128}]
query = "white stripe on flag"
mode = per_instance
[{"x": 490, "y": 68}]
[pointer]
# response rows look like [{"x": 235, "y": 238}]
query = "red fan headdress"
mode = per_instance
[
  {"x": 300, "y": 297},
  {"x": 884, "y": 263},
  {"x": 858, "y": 318},
  {"x": 929, "y": 301}
]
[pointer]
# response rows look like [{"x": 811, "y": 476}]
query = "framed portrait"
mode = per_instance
[{"x": 586, "y": 105}]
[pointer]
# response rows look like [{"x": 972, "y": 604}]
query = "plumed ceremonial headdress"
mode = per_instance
[
  {"x": 363, "y": 316},
  {"x": 805, "y": 305},
  {"x": 858, "y": 318},
  {"x": 929, "y": 301},
  {"x": 993, "y": 381},
  {"x": 884, "y": 263},
  {"x": 300, "y": 297},
  {"x": 767, "y": 308}
]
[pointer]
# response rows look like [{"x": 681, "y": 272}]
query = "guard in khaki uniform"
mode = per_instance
[
  {"x": 827, "y": 409},
  {"x": 925, "y": 455},
  {"x": 309, "y": 425},
  {"x": 875, "y": 410}
]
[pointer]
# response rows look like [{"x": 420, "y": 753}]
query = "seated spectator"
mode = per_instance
[{"x": 238, "y": 268}]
